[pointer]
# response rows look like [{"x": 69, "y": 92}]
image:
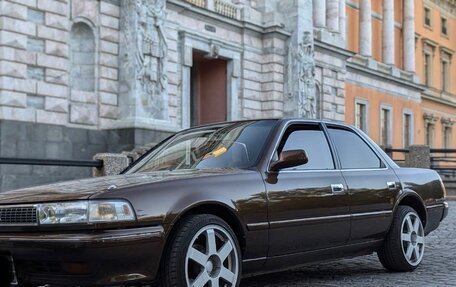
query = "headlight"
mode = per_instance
[{"x": 85, "y": 212}]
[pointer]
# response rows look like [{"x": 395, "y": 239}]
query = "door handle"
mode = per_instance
[
  {"x": 337, "y": 188},
  {"x": 391, "y": 185}
]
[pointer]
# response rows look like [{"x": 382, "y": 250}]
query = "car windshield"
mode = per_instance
[{"x": 232, "y": 145}]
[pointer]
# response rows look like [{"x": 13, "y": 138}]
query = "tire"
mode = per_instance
[
  {"x": 403, "y": 248},
  {"x": 203, "y": 251}
]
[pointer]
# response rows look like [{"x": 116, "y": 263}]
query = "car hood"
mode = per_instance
[{"x": 85, "y": 188}]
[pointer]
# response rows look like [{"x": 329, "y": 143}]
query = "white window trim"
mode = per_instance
[
  {"x": 390, "y": 123},
  {"x": 431, "y": 25},
  {"x": 412, "y": 126},
  {"x": 366, "y": 103}
]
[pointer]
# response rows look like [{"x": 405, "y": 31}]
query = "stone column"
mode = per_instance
[
  {"x": 388, "y": 32},
  {"x": 143, "y": 57},
  {"x": 343, "y": 19},
  {"x": 419, "y": 156},
  {"x": 300, "y": 76},
  {"x": 332, "y": 15},
  {"x": 365, "y": 28},
  {"x": 319, "y": 13},
  {"x": 409, "y": 35}
]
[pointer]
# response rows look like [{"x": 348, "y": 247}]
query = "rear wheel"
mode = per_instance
[
  {"x": 204, "y": 253},
  {"x": 404, "y": 245}
]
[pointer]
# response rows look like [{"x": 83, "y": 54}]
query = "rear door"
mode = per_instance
[
  {"x": 372, "y": 184},
  {"x": 308, "y": 205}
]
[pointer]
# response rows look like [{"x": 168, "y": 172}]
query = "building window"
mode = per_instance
[
  {"x": 430, "y": 133},
  {"x": 82, "y": 68},
  {"x": 427, "y": 17},
  {"x": 428, "y": 69},
  {"x": 385, "y": 127},
  {"x": 408, "y": 129},
  {"x": 447, "y": 134},
  {"x": 361, "y": 115},
  {"x": 444, "y": 26},
  {"x": 445, "y": 76}
]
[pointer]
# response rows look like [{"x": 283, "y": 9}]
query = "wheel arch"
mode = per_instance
[
  {"x": 414, "y": 200},
  {"x": 218, "y": 209}
]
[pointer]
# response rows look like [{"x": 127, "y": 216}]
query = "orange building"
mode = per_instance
[{"x": 408, "y": 92}]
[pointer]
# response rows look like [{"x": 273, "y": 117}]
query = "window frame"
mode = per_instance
[
  {"x": 389, "y": 127},
  {"x": 444, "y": 19},
  {"x": 301, "y": 126},
  {"x": 364, "y": 102},
  {"x": 405, "y": 113},
  {"x": 383, "y": 163},
  {"x": 425, "y": 10}
]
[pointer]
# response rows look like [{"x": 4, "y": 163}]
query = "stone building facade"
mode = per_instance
[{"x": 78, "y": 77}]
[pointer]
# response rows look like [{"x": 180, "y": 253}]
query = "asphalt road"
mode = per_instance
[{"x": 437, "y": 269}]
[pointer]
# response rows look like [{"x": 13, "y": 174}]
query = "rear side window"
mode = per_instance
[
  {"x": 313, "y": 141},
  {"x": 354, "y": 153}
]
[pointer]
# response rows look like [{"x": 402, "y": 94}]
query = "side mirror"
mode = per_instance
[{"x": 290, "y": 158}]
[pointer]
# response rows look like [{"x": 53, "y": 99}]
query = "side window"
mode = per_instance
[
  {"x": 313, "y": 141},
  {"x": 353, "y": 152}
]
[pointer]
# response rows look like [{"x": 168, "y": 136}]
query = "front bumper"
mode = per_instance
[{"x": 99, "y": 258}]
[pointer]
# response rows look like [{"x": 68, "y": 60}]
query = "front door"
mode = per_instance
[
  {"x": 308, "y": 204},
  {"x": 373, "y": 186},
  {"x": 209, "y": 90}
]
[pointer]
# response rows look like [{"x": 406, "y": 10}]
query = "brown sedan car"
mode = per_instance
[{"x": 214, "y": 202}]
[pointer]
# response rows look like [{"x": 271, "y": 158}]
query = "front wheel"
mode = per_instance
[
  {"x": 204, "y": 252},
  {"x": 403, "y": 248}
]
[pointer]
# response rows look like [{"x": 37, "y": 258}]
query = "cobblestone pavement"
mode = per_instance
[{"x": 437, "y": 269}]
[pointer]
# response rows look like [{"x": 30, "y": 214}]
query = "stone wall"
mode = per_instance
[{"x": 44, "y": 141}]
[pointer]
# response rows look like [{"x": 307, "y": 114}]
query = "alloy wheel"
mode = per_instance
[
  {"x": 412, "y": 238},
  {"x": 212, "y": 259}
]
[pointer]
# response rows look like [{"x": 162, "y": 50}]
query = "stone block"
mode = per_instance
[
  {"x": 56, "y": 76},
  {"x": 109, "y": 47},
  {"x": 109, "y": 34},
  {"x": 109, "y": 60},
  {"x": 85, "y": 114},
  {"x": 53, "y": 90},
  {"x": 52, "y": 34},
  {"x": 109, "y": 21},
  {"x": 52, "y": 62},
  {"x": 111, "y": 112},
  {"x": 35, "y": 44},
  {"x": 57, "y": 21},
  {"x": 34, "y": 101},
  {"x": 30, "y": 3},
  {"x": 53, "y": 118},
  {"x": 54, "y": 134},
  {"x": 109, "y": 9},
  {"x": 53, "y": 6},
  {"x": 18, "y": 26},
  {"x": 108, "y": 86},
  {"x": 17, "y": 114},
  {"x": 35, "y": 72},
  {"x": 13, "y": 10},
  {"x": 112, "y": 164},
  {"x": 109, "y": 73},
  {"x": 12, "y": 39},
  {"x": 35, "y": 16},
  {"x": 108, "y": 98},
  {"x": 56, "y": 49},
  {"x": 18, "y": 85},
  {"x": 83, "y": 96},
  {"x": 13, "y": 99},
  {"x": 56, "y": 105},
  {"x": 419, "y": 156},
  {"x": 13, "y": 69},
  {"x": 85, "y": 8}
]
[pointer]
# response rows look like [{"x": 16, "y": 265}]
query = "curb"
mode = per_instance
[{"x": 451, "y": 197}]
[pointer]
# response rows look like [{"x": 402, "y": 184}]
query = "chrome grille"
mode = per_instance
[{"x": 24, "y": 215}]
